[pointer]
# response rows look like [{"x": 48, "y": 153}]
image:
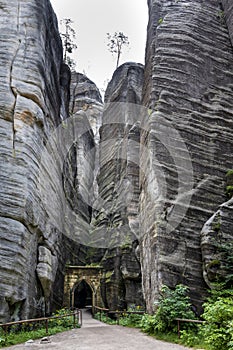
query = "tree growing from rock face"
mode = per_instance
[
  {"x": 67, "y": 38},
  {"x": 116, "y": 43}
]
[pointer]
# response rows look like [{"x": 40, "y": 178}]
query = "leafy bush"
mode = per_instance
[
  {"x": 172, "y": 304},
  {"x": 148, "y": 323},
  {"x": 131, "y": 320},
  {"x": 191, "y": 338},
  {"x": 218, "y": 313},
  {"x": 66, "y": 322},
  {"x": 104, "y": 318}
]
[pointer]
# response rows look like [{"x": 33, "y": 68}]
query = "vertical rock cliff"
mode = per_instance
[
  {"x": 137, "y": 184},
  {"x": 188, "y": 138},
  {"x": 30, "y": 101},
  {"x": 81, "y": 167},
  {"x": 115, "y": 219}
]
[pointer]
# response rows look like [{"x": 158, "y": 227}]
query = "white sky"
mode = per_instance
[{"x": 92, "y": 20}]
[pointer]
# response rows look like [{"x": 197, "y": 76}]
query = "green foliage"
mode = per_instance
[
  {"x": 160, "y": 21},
  {"x": 172, "y": 304},
  {"x": 104, "y": 318},
  {"x": 17, "y": 338},
  {"x": 131, "y": 320},
  {"x": 229, "y": 173},
  {"x": 226, "y": 252},
  {"x": 68, "y": 37},
  {"x": 216, "y": 226},
  {"x": 148, "y": 323},
  {"x": 191, "y": 338},
  {"x": 218, "y": 314},
  {"x": 22, "y": 333},
  {"x": 115, "y": 44},
  {"x": 229, "y": 191},
  {"x": 66, "y": 322},
  {"x": 221, "y": 16}
]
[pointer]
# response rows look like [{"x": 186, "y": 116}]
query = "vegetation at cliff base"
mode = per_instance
[
  {"x": 172, "y": 304},
  {"x": 29, "y": 331},
  {"x": 215, "y": 333}
]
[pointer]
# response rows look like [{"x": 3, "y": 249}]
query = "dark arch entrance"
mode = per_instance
[{"x": 82, "y": 295}]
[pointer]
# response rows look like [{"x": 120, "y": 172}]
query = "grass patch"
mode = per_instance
[
  {"x": 22, "y": 337},
  {"x": 21, "y": 333}
]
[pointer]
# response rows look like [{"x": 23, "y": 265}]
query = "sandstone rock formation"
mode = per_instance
[
  {"x": 217, "y": 243},
  {"x": 30, "y": 101},
  {"x": 226, "y": 14},
  {"x": 115, "y": 220},
  {"x": 137, "y": 185},
  {"x": 188, "y": 88},
  {"x": 81, "y": 167}
]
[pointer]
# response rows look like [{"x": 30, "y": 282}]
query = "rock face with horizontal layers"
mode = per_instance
[
  {"x": 217, "y": 244},
  {"x": 115, "y": 218},
  {"x": 226, "y": 14},
  {"x": 30, "y": 102},
  {"x": 84, "y": 95},
  {"x": 188, "y": 138},
  {"x": 81, "y": 167},
  {"x": 217, "y": 241}
]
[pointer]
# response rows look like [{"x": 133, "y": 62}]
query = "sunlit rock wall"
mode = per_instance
[{"x": 187, "y": 140}]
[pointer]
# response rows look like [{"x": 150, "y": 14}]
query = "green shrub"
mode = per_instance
[
  {"x": 172, "y": 304},
  {"x": 131, "y": 320},
  {"x": 148, "y": 323},
  {"x": 229, "y": 173},
  {"x": 229, "y": 191},
  {"x": 218, "y": 314},
  {"x": 66, "y": 322},
  {"x": 104, "y": 318},
  {"x": 191, "y": 338}
]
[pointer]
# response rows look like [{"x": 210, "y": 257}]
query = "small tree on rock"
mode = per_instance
[
  {"x": 116, "y": 43},
  {"x": 67, "y": 38}
]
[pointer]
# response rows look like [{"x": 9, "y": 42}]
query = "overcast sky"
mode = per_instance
[{"x": 92, "y": 20}]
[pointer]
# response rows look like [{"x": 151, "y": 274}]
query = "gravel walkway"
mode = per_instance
[{"x": 95, "y": 335}]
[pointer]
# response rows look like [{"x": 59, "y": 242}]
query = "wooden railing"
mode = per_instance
[
  {"x": 117, "y": 312},
  {"x": 120, "y": 313},
  {"x": 77, "y": 321},
  {"x": 179, "y": 320}
]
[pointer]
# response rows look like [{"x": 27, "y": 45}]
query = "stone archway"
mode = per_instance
[{"x": 85, "y": 277}]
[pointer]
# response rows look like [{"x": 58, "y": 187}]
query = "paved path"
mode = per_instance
[{"x": 95, "y": 335}]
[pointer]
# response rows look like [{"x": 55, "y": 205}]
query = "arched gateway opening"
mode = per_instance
[
  {"x": 82, "y": 286},
  {"x": 82, "y": 295}
]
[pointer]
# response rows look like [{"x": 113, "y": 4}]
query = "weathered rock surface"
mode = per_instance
[
  {"x": 226, "y": 14},
  {"x": 188, "y": 137},
  {"x": 115, "y": 219},
  {"x": 81, "y": 167},
  {"x": 82, "y": 186},
  {"x": 30, "y": 101},
  {"x": 84, "y": 95},
  {"x": 216, "y": 244}
]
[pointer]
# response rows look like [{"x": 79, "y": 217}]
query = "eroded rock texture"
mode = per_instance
[
  {"x": 226, "y": 14},
  {"x": 81, "y": 167},
  {"x": 188, "y": 138},
  {"x": 30, "y": 101},
  {"x": 115, "y": 219},
  {"x": 217, "y": 243}
]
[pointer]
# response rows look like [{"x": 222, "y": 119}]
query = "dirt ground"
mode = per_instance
[{"x": 95, "y": 335}]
